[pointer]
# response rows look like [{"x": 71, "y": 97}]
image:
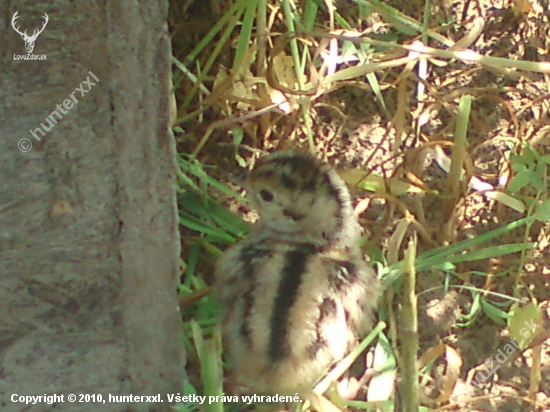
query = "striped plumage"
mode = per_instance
[{"x": 296, "y": 293}]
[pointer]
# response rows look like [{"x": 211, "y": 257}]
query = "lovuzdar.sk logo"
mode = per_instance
[{"x": 29, "y": 40}]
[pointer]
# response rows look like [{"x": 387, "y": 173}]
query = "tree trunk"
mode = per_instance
[{"x": 89, "y": 245}]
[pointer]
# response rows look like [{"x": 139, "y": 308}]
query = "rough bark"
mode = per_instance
[{"x": 88, "y": 225}]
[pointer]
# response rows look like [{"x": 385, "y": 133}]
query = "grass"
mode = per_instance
[{"x": 281, "y": 66}]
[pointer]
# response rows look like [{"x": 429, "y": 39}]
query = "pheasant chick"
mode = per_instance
[{"x": 296, "y": 293}]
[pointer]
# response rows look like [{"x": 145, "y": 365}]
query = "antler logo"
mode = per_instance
[{"x": 29, "y": 40}]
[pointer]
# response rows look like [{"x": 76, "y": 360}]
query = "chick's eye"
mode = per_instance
[{"x": 266, "y": 195}]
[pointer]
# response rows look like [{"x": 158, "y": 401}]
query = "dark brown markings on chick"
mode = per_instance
[
  {"x": 287, "y": 293},
  {"x": 265, "y": 174},
  {"x": 310, "y": 183},
  {"x": 344, "y": 275},
  {"x": 349, "y": 270},
  {"x": 288, "y": 182},
  {"x": 245, "y": 330},
  {"x": 352, "y": 324},
  {"x": 298, "y": 171},
  {"x": 303, "y": 180},
  {"x": 327, "y": 309},
  {"x": 293, "y": 215},
  {"x": 250, "y": 256},
  {"x": 319, "y": 344},
  {"x": 296, "y": 162},
  {"x": 346, "y": 315}
]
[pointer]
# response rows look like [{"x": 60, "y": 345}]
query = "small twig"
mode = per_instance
[{"x": 229, "y": 122}]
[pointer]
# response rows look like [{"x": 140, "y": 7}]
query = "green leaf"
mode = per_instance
[
  {"x": 518, "y": 182},
  {"x": 519, "y": 168},
  {"x": 469, "y": 317},
  {"x": 240, "y": 161},
  {"x": 543, "y": 211},
  {"x": 537, "y": 181},
  {"x": 491, "y": 252},
  {"x": 238, "y": 135},
  {"x": 523, "y": 323},
  {"x": 496, "y": 314}
]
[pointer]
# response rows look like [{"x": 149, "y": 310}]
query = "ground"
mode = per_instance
[{"x": 352, "y": 129}]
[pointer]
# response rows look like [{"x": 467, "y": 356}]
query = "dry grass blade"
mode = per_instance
[{"x": 459, "y": 152}]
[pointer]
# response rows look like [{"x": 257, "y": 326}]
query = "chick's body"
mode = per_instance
[{"x": 296, "y": 293}]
